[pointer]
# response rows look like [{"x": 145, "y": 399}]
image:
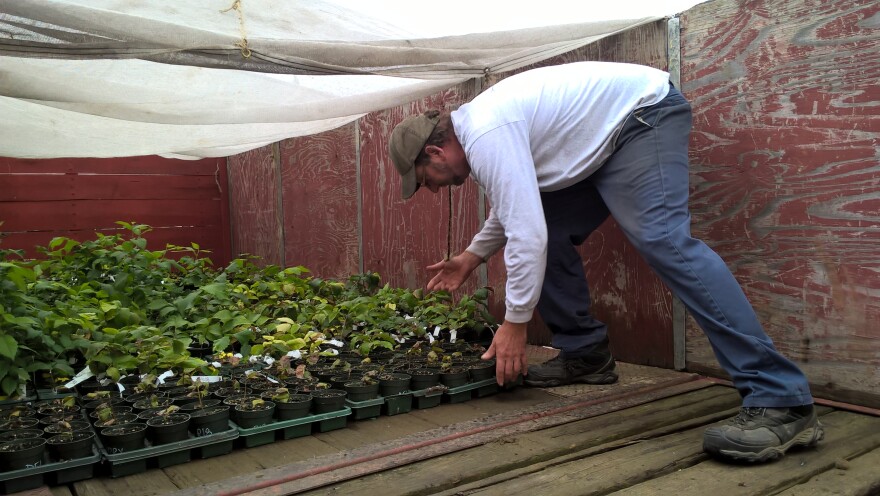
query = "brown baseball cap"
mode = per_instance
[{"x": 407, "y": 142}]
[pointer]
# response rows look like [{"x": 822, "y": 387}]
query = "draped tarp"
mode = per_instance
[{"x": 106, "y": 78}]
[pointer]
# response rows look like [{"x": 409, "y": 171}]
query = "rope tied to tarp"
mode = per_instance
[
  {"x": 449, "y": 227},
  {"x": 242, "y": 44}
]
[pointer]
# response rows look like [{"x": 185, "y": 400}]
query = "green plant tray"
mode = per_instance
[
  {"x": 50, "y": 394},
  {"x": 15, "y": 401},
  {"x": 397, "y": 404},
  {"x": 53, "y": 473},
  {"x": 289, "y": 429},
  {"x": 464, "y": 393},
  {"x": 426, "y": 398},
  {"x": 166, "y": 455},
  {"x": 365, "y": 409}
]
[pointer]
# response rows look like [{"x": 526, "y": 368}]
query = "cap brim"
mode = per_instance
[{"x": 409, "y": 184}]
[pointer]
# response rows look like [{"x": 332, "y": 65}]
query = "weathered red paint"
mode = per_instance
[
  {"x": 255, "y": 214},
  {"x": 784, "y": 175},
  {"x": 320, "y": 202},
  {"x": 183, "y": 201}
]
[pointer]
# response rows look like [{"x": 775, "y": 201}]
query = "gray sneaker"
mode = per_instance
[
  {"x": 597, "y": 367},
  {"x": 762, "y": 434}
]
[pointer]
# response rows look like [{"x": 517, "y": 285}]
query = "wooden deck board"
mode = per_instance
[
  {"x": 508, "y": 454},
  {"x": 198, "y": 472},
  {"x": 855, "y": 477},
  {"x": 847, "y": 434},
  {"x": 149, "y": 483}
]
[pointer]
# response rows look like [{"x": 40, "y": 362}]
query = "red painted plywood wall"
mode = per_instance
[
  {"x": 785, "y": 176},
  {"x": 255, "y": 209},
  {"x": 320, "y": 202},
  {"x": 183, "y": 201}
]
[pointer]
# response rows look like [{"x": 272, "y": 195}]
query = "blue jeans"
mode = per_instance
[{"x": 644, "y": 186}]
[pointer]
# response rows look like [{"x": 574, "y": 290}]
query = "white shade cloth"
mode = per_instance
[{"x": 111, "y": 78}]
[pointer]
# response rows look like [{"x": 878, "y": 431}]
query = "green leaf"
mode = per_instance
[
  {"x": 179, "y": 345},
  {"x": 216, "y": 289},
  {"x": 157, "y": 304},
  {"x": 244, "y": 337},
  {"x": 112, "y": 373},
  {"x": 221, "y": 344},
  {"x": 107, "y": 306},
  {"x": 9, "y": 385},
  {"x": 8, "y": 346}
]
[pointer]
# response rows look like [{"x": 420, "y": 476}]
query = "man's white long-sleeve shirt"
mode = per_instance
[{"x": 543, "y": 130}]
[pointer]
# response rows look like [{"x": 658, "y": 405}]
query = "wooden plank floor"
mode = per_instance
[{"x": 641, "y": 436}]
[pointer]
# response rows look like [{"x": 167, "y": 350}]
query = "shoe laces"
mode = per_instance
[{"x": 746, "y": 414}]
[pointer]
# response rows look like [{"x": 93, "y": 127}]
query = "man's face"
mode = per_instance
[{"x": 447, "y": 166}]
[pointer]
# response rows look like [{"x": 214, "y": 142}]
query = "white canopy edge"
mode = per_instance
[{"x": 110, "y": 78}]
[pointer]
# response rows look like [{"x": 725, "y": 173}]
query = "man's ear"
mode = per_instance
[{"x": 434, "y": 151}]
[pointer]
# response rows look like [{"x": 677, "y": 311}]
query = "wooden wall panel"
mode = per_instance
[
  {"x": 400, "y": 238},
  {"x": 625, "y": 292},
  {"x": 183, "y": 201},
  {"x": 785, "y": 176},
  {"x": 320, "y": 198},
  {"x": 255, "y": 216}
]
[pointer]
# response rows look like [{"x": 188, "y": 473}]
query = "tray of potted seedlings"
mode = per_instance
[
  {"x": 59, "y": 448},
  {"x": 280, "y": 414},
  {"x": 426, "y": 389},
  {"x": 159, "y": 436},
  {"x": 394, "y": 388},
  {"x": 362, "y": 395}
]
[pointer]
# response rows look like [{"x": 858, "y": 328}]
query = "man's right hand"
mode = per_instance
[{"x": 453, "y": 272}]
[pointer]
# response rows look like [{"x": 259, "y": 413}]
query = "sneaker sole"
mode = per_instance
[
  {"x": 607, "y": 377},
  {"x": 808, "y": 438}
]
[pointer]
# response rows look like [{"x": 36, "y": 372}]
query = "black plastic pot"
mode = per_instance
[
  {"x": 482, "y": 370},
  {"x": 454, "y": 377},
  {"x": 226, "y": 392},
  {"x": 200, "y": 350},
  {"x": 20, "y": 434},
  {"x": 171, "y": 428},
  {"x": 17, "y": 423},
  {"x": 60, "y": 427},
  {"x": 122, "y": 418},
  {"x": 70, "y": 445},
  {"x": 247, "y": 416},
  {"x": 22, "y": 453},
  {"x": 116, "y": 410},
  {"x": 91, "y": 385},
  {"x": 358, "y": 391},
  {"x": 47, "y": 410},
  {"x": 124, "y": 437},
  {"x": 130, "y": 381},
  {"x": 393, "y": 383},
  {"x": 328, "y": 400},
  {"x": 296, "y": 383},
  {"x": 145, "y": 415},
  {"x": 297, "y": 406},
  {"x": 16, "y": 411},
  {"x": 91, "y": 406},
  {"x": 423, "y": 378},
  {"x": 147, "y": 403},
  {"x": 338, "y": 381},
  {"x": 133, "y": 398},
  {"x": 190, "y": 407},
  {"x": 209, "y": 420}
]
